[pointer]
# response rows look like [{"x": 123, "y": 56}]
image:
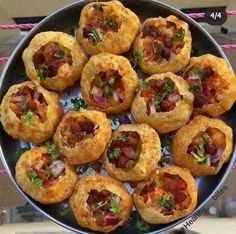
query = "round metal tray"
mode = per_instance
[{"x": 66, "y": 20}]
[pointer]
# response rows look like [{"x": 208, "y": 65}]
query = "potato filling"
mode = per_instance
[
  {"x": 49, "y": 58},
  {"x": 207, "y": 147},
  {"x": 104, "y": 206},
  {"x": 46, "y": 169},
  {"x": 75, "y": 131},
  {"x": 107, "y": 88},
  {"x": 125, "y": 149},
  {"x": 162, "y": 42},
  {"x": 160, "y": 95},
  {"x": 206, "y": 85},
  {"x": 167, "y": 193},
  {"x": 28, "y": 104},
  {"x": 99, "y": 24}
]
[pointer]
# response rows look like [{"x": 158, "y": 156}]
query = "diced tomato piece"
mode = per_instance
[{"x": 111, "y": 220}]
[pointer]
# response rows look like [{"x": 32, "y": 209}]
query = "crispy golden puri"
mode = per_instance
[
  {"x": 163, "y": 45},
  {"x": 108, "y": 83},
  {"x": 107, "y": 27},
  {"x": 100, "y": 203},
  {"x": 203, "y": 145},
  {"x": 45, "y": 180},
  {"x": 169, "y": 194},
  {"x": 83, "y": 136},
  {"x": 164, "y": 102},
  {"x": 30, "y": 112},
  {"x": 55, "y": 59},
  {"x": 133, "y": 152},
  {"x": 213, "y": 84}
]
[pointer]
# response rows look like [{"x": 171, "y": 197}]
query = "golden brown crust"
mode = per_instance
[
  {"x": 91, "y": 148},
  {"x": 78, "y": 200},
  {"x": 174, "y": 65},
  {"x": 67, "y": 75},
  {"x": 183, "y": 139},
  {"x": 103, "y": 62},
  {"x": 62, "y": 187},
  {"x": 165, "y": 122},
  {"x": 112, "y": 42},
  {"x": 226, "y": 73},
  {"x": 38, "y": 132},
  {"x": 150, "y": 214},
  {"x": 148, "y": 158}
]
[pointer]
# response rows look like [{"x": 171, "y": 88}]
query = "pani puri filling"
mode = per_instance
[
  {"x": 160, "y": 95},
  {"x": 167, "y": 193},
  {"x": 104, "y": 207},
  {"x": 162, "y": 42},
  {"x": 99, "y": 24},
  {"x": 49, "y": 58},
  {"x": 207, "y": 147},
  {"x": 206, "y": 85},
  {"x": 77, "y": 130},
  {"x": 125, "y": 149},
  {"x": 46, "y": 169},
  {"x": 107, "y": 88},
  {"x": 28, "y": 105}
]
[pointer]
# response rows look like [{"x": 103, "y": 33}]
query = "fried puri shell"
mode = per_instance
[
  {"x": 227, "y": 75},
  {"x": 183, "y": 139},
  {"x": 165, "y": 122},
  {"x": 101, "y": 63},
  {"x": 153, "y": 216},
  {"x": 88, "y": 149},
  {"x": 67, "y": 75},
  {"x": 58, "y": 191},
  {"x": 175, "y": 65},
  {"x": 115, "y": 42},
  {"x": 37, "y": 132},
  {"x": 98, "y": 182},
  {"x": 148, "y": 158}
]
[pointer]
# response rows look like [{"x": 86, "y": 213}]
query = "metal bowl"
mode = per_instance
[{"x": 65, "y": 20}]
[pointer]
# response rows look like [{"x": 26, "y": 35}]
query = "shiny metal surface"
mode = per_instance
[{"x": 64, "y": 20}]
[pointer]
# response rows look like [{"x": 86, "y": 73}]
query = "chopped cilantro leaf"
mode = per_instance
[
  {"x": 78, "y": 104},
  {"x": 137, "y": 57},
  {"x": 52, "y": 149},
  {"x": 179, "y": 36},
  {"x": 108, "y": 94},
  {"x": 205, "y": 137},
  {"x": 98, "y": 82},
  {"x": 130, "y": 164},
  {"x": 167, "y": 201},
  {"x": 98, "y": 7},
  {"x": 43, "y": 72},
  {"x": 23, "y": 104},
  {"x": 115, "y": 154},
  {"x": 65, "y": 211},
  {"x": 123, "y": 138},
  {"x": 200, "y": 155},
  {"x": 197, "y": 71},
  {"x": 115, "y": 208},
  {"x": 32, "y": 174},
  {"x": 49, "y": 170},
  {"x": 28, "y": 118},
  {"x": 136, "y": 221},
  {"x": 110, "y": 23},
  {"x": 194, "y": 88},
  {"x": 101, "y": 204},
  {"x": 59, "y": 54},
  {"x": 94, "y": 34},
  {"x": 38, "y": 182},
  {"x": 144, "y": 84},
  {"x": 159, "y": 180},
  {"x": 157, "y": 48},
  {"x": 34, "y": 178}
]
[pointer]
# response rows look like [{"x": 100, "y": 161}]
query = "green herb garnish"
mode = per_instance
[
  {"x": 43, "y": 72},
  {"x": 99, "y": 82},
  {"x": 138, "y": 57},
  {"x": 135, "y": 220},
  {"x": 65, "y": 211},
  {"x": 98, "y": 7},
  {"x": 200, "y": 155},
  {"x": 101, "y": 204},
  {"x": 34, "y": 178},
  {"x": 22, "y": 150},
  {"x": 167, "y": 201},
  {"x": 115, "y": 154},
  {"x": 159, "y": 180},
  {"x": 59, "y": 54},
  {"x": 157, "y": 48},
  {"x": 123, "y": 138},
  {"x": 23, "y": 104},
  {"x": 78, "y": 104},
  {"x": 94, "y": 34},
  {"x": 28, "y": 118},
  {"x": 49, "y": 170},
  {"x": 52, "y": 149},
  {"x": 108, "y": 94},
  {"x": 144, "y": 84},
  {"x": 197, "y": 71},
  {"x": 130, "y": 164},
  {"x": 194, "y": 88},
  {"x": 110, "y": 23},
  {"x": 115, "y": 208},
  {"x": 205, "y": 137},
  {"x": 179, "y": 36}
]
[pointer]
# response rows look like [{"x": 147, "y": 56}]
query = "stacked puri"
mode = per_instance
[{"x": 164, "y": 102}]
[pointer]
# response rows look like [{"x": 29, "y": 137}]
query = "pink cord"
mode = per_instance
[
  {"x": 3, "y": 59},
  {"x": 3, "y": 172},
  {"x": 17, "y": 26}
]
